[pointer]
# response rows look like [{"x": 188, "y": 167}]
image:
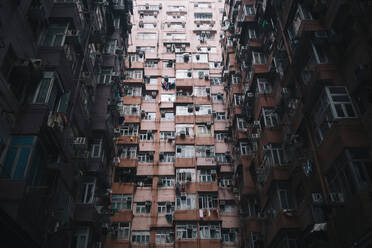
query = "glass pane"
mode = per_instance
[{"x": 22, "y": 163}]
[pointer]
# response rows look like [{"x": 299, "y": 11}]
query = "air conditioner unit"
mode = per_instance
[{"x": 256, "y": 123}]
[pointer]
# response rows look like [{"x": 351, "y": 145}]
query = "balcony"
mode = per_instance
[
  {"x": 127, "y": 140},
  {"x": 206, "y": 161},
  {"x": 122, "y": 188},
  {"x": 196, "y": 215},
  {"x": 203, "y": 118},
  {"x": 207, "y": 187},
  {"x": 284, "y": 220},
  {"x": 128, "y": 162},
  {"x": 69, "y": 10},
  {"x": 184, "y": 162},
  {"x": 183, "y": 140},
  {"x": 185, "y": 119},
  {"x": 343, "y": 133},
  {"x": 132, "y": 119},
  {"x": 184, "y": 99}
]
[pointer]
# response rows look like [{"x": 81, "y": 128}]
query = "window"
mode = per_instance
[
  {"x": 48, "y": 90},
  {"x": 147, "y": 135},
  {"x": 228, "y": 206},
  {"x": 148, "y": 25},
  {"x": 334, "y": 104},
  {"x": 186, "y": 231},
  {"x": 141, "y": 237},
  {"x": 201, "y": 91},
  {"x": 182, "y": 58},
  {"x": 165, "y": 207},
  {"x": 185, "y": 202},
  {"x": 219, "y": 116},
  {"x": 252, "y": 34},
  {"x": 150, "y": 49},
  {"x": 216, "y": 81},
  {"x": 184, "y": 110},
  {"x": 242, "y": 124},
  {"x": 200, "y": 58},
  {"x": 185, "y": 151},
  {"x": 269, "y": 117},
  {"x": 203, "y": 109},
  {"x": 204, "y": 130},
  {"x": 264, "y": 86},
  {"x": 110, "y": 46},
  {"x": 183, "y": 74},
  {"x": 201, "y": 15},
  {"x": 320, "y": 54},
  {"x": 235, "y": 79},
  {"x": 200, "y": 73},
  {"x": 136, "y": 58},
  {"x": 134, "y": 74},
  {"x": 249, "y": 10},
  {"x": 225, "y": 181},
  {"x": 167, "y": 135},
  {"x": 208, "y": 201},
  {"x": 87, "y": 190},
  {"x": 164, "y": 236},
  {"x": 121, "y": 202},
  {"x": 127, "y": 151},
  {"x": 117, "y": 23},
  {"x": 167, "y": 116},
  {"x": 274, "y": 154},
  {"x": 133, "y": 91},
  {"x": 131, "y": 109},
  {"x": 146, "y": 36},
  {"x": 238, "y": 99},
  {"x": 151, "y": 64},
  {"x": 149, "y": 97},
  {"x": 244, "y": 148},
  {"x": 185, "y": 175},
  {"x": 229, "y": 235},
  {"x": 222, "y": 158},
  {"x": 166, "y": 157},
  {"x": 56, "y": 34},
  {"x": 258, "y": 58},
  {"x": 175, "y": 36},
  {"x": 129, "y": 130},
  {"x": 351, "y": 171},
  {"x": 105, "y": 76},
  {"x": 145, "y": 157},
  {"x": 217, "y": 97},
  {"x": 166, "y": 181},
  {"x": 120, "y": 231},
  {"x": 143, "y": 207},
  {"x": 185, "y": 129},
  {"x": 153, "y": 80},
  {"x": 96, "y": 148},
  {"x": 205, "y": 151},
  {"x": 210, "y": 231},
  {"x": 207, "y": 175},
  {"x": 167, "y": 97},
  {"x": 82, "y": 237},
  {"x": 17, "y": 158}
]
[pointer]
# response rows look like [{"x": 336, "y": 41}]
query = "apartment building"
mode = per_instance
[
  {"x": 61, "y": 62},
  {"x": 298, "y": 90},
  {"x": 172, "y": 184}
]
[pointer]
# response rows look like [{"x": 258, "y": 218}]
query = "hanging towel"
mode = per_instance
[{"x": 201, "y": 213}]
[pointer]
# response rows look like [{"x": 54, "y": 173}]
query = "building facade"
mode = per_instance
[
  {"x": 172, "y": 184},
  {"x": 61, "y": 66},
  {"x": 298, "y": 77}
]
